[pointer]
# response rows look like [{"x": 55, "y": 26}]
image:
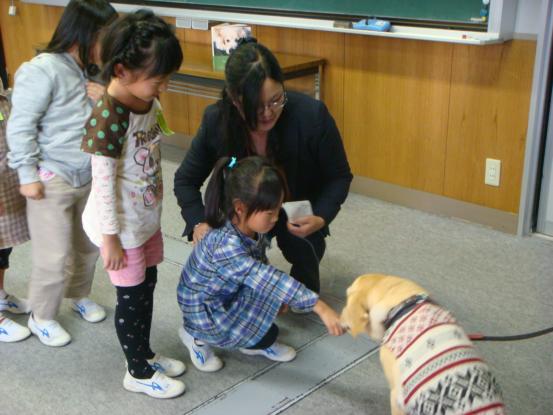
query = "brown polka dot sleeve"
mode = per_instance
[{"x": 104, "y": 132}]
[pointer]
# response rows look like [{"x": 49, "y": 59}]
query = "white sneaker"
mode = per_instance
[
  {"x": 10, "y": 331},
  {"x": 201, "y": 354},
  {"x": 89, "y": 310},
  {"x": 49, "y": 332},
  {"x": 14, "y": 305},
  {"x": 167, "y": 366},
  {"x": 277, "y": 351},
  {"x": 158, "y": 386}
]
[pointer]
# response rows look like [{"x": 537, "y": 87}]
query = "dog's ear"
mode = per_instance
[{"x": 356, "y": 315}]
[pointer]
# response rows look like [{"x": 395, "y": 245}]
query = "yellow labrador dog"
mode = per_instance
[{"x": 430, "y": 363}]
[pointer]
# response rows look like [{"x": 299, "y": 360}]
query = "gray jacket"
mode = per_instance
[{"x": 49, "y": 110}]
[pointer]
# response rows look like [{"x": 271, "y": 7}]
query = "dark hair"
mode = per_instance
[
  {"x": 248, "y": 66},
  {"x": 140, "y": 40},
  {"x": 253, "y": 180},
  {"x": 79, "y": 25}
]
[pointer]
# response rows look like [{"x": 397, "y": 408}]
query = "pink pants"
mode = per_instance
[{"x": 138, "y": 259}]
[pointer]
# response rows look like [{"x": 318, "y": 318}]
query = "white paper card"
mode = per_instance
[{"x": 297, "y": 209}]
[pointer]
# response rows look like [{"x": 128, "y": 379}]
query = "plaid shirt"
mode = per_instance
[
  {"x": 229, "y": 294},
  {"x": 13, "y": 220}
]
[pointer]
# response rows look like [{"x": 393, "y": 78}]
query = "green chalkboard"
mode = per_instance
[{"x": 452, "y": 11}]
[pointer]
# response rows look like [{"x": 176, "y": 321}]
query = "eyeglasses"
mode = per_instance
[{"x": 274, "y": 105}]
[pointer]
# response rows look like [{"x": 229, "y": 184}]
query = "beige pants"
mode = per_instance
[{"x": 63, "y": 257}]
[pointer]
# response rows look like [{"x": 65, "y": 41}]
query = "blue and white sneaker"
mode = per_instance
[
  {"x": 167, "y": 366},
  {"x": 14, "y": 305},
  {"x": 277, "y": 351},
  {"x": 49, "y": 332},
  {"x": 158, "y": 386},
  {"x": 10, "y": 331},
  {"x": 201, "y": 354},
  {"x": 89, "y": 310}
]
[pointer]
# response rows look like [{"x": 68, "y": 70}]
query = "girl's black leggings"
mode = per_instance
[{"x": 133, "y": 320}]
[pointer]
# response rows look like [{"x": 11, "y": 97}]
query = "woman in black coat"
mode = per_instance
[{"x": 257, "y": 116}]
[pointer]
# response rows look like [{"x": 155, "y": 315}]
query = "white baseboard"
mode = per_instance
[{"x": 440, "y": 205}]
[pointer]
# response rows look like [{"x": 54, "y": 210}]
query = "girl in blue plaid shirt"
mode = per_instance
[{"x": 228, "y": 293}]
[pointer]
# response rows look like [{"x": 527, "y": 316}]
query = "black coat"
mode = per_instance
[{"x": 310, "y": 149}]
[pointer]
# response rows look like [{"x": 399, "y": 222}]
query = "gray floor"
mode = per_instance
[{"x": 492, "y": 282}]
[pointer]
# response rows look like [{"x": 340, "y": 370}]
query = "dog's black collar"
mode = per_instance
[{"x": 403, "y": 308}]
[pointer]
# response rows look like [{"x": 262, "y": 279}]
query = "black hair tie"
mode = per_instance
[{"x": 92, "y": 70}]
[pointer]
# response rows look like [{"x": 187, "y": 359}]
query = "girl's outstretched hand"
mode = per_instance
[
  {"x": 112, "y": 253},
  {"x": 329, "y": 317}
]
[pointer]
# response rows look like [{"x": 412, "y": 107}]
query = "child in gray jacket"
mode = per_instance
[{"x": 50, "y": 106}]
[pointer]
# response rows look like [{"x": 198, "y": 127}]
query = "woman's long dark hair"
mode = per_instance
[
  {"x": 247, "y": 68},
  {"x": 79, "y": 25},
  {"x": 253, "y": 180},
  {"x": 141, "y": 41}
]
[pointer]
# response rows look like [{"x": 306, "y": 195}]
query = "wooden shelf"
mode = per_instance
[{"x": 197, "y": 62}]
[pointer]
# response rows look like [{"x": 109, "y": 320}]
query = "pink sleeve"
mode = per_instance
[{"x": 104, "y": 178}]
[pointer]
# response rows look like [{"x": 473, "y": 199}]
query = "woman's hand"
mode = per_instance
[
  {"x": 329, "y": 317},
  {"x": 305, "y": 226},
  {"x": 200, "y": 230},
  {"x": 112, "y": 253},
  {"x": 283, "y": 309},
  {"x": 94, "y": 90},
  {"x": 33, "y": 190}
]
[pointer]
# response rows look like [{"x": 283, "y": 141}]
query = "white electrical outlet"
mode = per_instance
[
  {"x": 200, "y": 24},
  {"x": 493, "y": 172},
  {"x": 184, "y": 22}
]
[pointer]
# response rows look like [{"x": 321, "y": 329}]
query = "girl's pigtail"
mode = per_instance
[{"x": 215, "y": 214}]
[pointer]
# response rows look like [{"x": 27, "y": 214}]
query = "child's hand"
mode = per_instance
[
  {"x": 329, "y": 317},
  {"x": 33, "y": 190},
  {"x": 94, "y": 90},
  {"x": 112, "y": 253}
]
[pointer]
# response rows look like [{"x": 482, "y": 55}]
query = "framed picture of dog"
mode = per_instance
[{"x": 224, "y": 39}]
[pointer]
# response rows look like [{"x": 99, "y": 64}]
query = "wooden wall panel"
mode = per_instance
[
  {"x": 22, "y": 34},
  {"x": 424, "y": 115},
  {"x": 175, "y": 111},
  {"x": 327, "y": 45},
  {"x": 396, "y": 98},
  {"x": 490, "y": 95},
  {"x": 196, "y": 107}
]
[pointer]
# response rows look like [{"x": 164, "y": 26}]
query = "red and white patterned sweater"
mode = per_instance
[{"x": 441, "y": 371}]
